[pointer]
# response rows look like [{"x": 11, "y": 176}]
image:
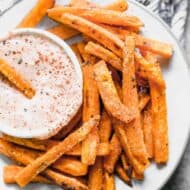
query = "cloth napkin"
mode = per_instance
[{"x": 173, "y": 12}]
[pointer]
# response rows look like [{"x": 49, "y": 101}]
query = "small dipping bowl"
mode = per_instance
[{"x": 42, "y": 132}]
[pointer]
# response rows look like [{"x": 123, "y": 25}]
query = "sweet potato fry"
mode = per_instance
[
  {"x": 109, "y": 181},
  {"x": 147, "y": 130},
  {"x": 124, "y": 162},
  {"x": 120, "y": 130},
  {"x": 68, "y": 165},
  {"x": 111, "y": 159},
  {"x": 117, "y": 5},
  {"x": 104, "y": 54},
  {"x": 159, "y": 115},
  {"x": 42, "y": 162},
  {"x": 85, "y": 56},
  {"x": 10, "y": 171},
  {"x": 99, "y": 15},
  {"x": 91, "y": 107},
  {"x": 63, "y": 31},
  {"x": 26, "y": 156},
  {"x": 89, "y": 147},
  {"x": 71, "y": 125},
  {"x": 143, "y": 101},
  {"x": 19, "y": 154},
  {"x": 130, "y": 99},
  {"x": 15, "y": 78},
  {"x": 149, "y": 71},
  {"x": 31, "y": 143},
  {"x": 65, "y": 181},
  {"x": 154, "y": 46},
  {"x": 137, "y": 176},
  {"x": 108, "y": 39},
  {"x": 105, "y": 127},
  {"x": 71, "y": 165},
  {"x": 36, "y": 14},
  {"x": 103, "y": 149},
  {"x": 77, "y": 53},
  {"x": 143, "y": 43},
  {"x": 95, "y": 177},
  {"x": 122, "y": 174},
  {"x": 108, "y": 92}
]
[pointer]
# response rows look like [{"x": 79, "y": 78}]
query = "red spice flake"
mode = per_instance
[
  {"x": 37, "y": 62},
  {"x": 38, "y": 72}
]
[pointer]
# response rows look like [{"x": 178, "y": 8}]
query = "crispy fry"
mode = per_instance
[
  {"x": 159, "y": 115},
  {"x": 96, "y": 32},
  {"x": 71, "y": 125},
  {"x": 36, "y": 14},
  {"x": 108, "y": 92},
  {"x": 64, "y": 180},
  {"x": 154, "y": 46},
  {"x": 31, "y": 143},
  {"x": 99, "y": 15},
  {"x": 77, "y": 53},
  {"x": 130, "y": 99},
  {"x": 103, "y": 149},
  {"x": 25, "y": 156},
  {"x": 143, "y": 43},
  {"x": 137, "y": 176},
  {"x": 143, "y": 101},
  {"x": 10, "y": 171},
  {"x": 120, "y": 130},
  {"x": 60, "y": 179},
  {"x": 122, "y": 174},
  {"x": 71, "y": 165},
  {"x": 91, "y": 107},
  {"x": 104, "y": 54},
  {"x": 63, "y": 31},
  {"x": 89, "y": 147},
  {"x": 15, "y": 78},
  {"x": 111, "y": 159},
  {"x": 109, "y": 181},
  {"x": 124, "y": 162},
  {"x": 105, "y": 127},
  {"x": 85, "y": 56},
  {"x": 41, "y": 163},
  {"x": 147, "y": 130},
  {"x": 95, "y": 178},
  {"x": 118, "y": 5},
  {"x": 149, "y": 71},
  {"x": 19, "y": 154}
]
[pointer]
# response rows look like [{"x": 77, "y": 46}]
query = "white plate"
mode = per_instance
[{"x": 178, "y": 93}]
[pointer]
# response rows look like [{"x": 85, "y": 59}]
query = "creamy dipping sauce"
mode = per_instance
[{"x": 52, "y": 74}]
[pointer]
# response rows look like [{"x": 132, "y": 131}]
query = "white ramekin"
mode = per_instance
[{"x": 43, "y": 133}]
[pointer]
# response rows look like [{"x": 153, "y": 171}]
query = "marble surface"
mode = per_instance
[{"x": 180, "y": 179}]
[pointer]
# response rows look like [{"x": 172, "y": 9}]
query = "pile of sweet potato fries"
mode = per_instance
[{"x": 122, "y": 124}]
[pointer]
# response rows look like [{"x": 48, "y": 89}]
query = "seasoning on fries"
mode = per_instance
[
  {"x": 63, "y": 31},
  {"x": 34, "y": 168},
  {"x": 120, "y": 126},
  {"x": 36, "y": 14},
  {"x": 16, "y": 79},
  {"x": 107, "y": 91}
]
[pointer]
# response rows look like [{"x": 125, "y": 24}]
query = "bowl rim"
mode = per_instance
[{"x": 38, "y": 133}]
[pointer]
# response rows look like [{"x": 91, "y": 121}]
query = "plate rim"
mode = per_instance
[{"x": 182, "y": 52}]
